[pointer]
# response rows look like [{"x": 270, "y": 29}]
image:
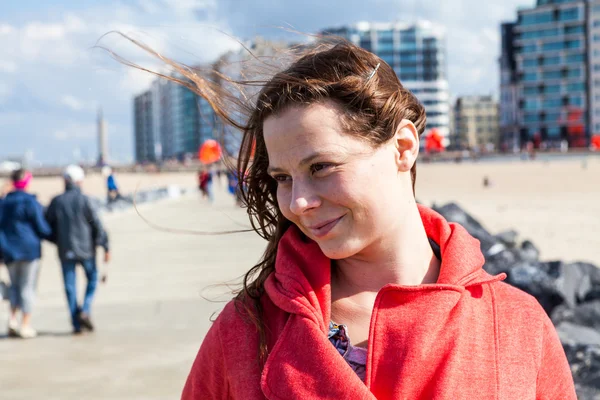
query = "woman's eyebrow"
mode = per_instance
[{"x": 306, "y": 160}]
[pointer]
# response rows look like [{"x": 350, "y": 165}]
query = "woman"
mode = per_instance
[
  {"x": 361, "y": 292},
  {"x": 22, "y": 227}
]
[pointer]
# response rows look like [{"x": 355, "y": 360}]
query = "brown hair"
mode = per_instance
[
  {"x": 17, "y": 175},
  {"x": 363, "y": 85}
]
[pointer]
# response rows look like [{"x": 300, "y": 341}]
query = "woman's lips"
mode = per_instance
[{"x": 324, "y": 228}]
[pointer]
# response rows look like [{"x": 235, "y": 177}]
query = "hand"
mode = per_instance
[{"x": 106, "y": 257}]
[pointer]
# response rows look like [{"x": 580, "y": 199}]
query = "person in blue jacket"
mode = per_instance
[{"x": 22, "y": 228}]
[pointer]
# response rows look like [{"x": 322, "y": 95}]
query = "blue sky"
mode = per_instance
[{"x": 52, "y": 81}]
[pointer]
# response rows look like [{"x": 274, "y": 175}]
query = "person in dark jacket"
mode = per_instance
[
  {"x": 22, "y": 228},
  {"x": 77, "y": 232}
]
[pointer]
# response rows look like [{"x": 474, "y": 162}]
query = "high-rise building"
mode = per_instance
[
  {"x": 103, "y": 155},
  {"x": 593, "y": 66},
  {"x": 417, "y": 53},
  {"x": 476, "y": 122},
  {"x": 554, "y": 45},
  {"x": 146, "y": 142},
  {"x": 170, "y": 121},
  {"x": 508, "y": 106}
]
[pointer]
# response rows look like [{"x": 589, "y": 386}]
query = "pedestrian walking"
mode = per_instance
[
  {"x": 77, "y": 232},
  {"x": 22, "y": 229}
]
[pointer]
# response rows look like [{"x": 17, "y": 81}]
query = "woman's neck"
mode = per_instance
[{"x": 402, "y": 258}]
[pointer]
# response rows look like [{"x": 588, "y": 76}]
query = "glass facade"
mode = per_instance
[{"x": 550, "y": 50}]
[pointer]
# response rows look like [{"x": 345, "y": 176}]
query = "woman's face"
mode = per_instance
[{"x": 338, "y": 189}]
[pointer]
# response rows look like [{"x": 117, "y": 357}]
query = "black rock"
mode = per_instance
[
  {"x": 508, "y": 238},
  {"x": 534, "y": 279},
  {"x": 452, "y": 212},
  {"x": 501, "y": 259},
  {"x": 585, "y": 367},
  {"x": 593, "y": 273},
  {"x": 577, "y": 335},
  {"x": 529, "y": 252},
  {"x": 586, "y": 314}
]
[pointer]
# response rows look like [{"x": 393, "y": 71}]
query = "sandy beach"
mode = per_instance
[{"x": 554, "y": 204}]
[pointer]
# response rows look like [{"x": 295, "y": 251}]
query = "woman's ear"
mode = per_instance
[{"x": 406, "y": 141}]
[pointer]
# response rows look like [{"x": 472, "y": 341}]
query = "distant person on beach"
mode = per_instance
[
  {"x": 77, "y": 232},
  {"x": 361, "y": 293},
  {"x": 22, "y": 228},
  {"x": 233, "y": 187},
  {"x": 112, "y": 190},
  {"x": 205, "y": 183}
]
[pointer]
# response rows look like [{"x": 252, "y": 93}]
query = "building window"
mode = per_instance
[
  {"x": 386, "y": 34},
  {"x": 530, "y": 62},
  {"x": 531, "y": 105},
  {"x": 552, "y": 103},
  {"x": 552, "y": 74},
  {"x": 575, "y": 58},
  {"x": 569, "y": 30},
  {"x": 539, "y": 34},
  {"x": 554, "y": 60},
  {"x": 408, "y": 68},
  {"x": 529, "y": 48},
  {"x": 576, "y": 72},
  {"x": 552, "y": 46},
  {"x": 537, "y": 18},
  {"x": 385, "y": 46},
  {"x": 568, "y": 14},
  {"x": 576, "y": 101},
  {"x": 408, "y": 56},
  {"x": 550, "y": 89},
  {"x": 529, "y": 76}
]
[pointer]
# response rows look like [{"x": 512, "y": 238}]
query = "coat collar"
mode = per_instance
[{"x": 303, "y": 362}]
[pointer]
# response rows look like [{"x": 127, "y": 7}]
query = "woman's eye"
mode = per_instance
[
  {"x": 281, "y": 178},
  {"x": 319, "y": 167}
]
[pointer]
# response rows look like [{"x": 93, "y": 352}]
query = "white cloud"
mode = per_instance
[
  {"x": 183, "y": 7},
  {"x": 135, "y": 81},
  {"x": 8, "y": 66},
  {"x": 72, "y": 130},
  {"x": 61, "y": 135},
  {"x": 72, "y": 102},
  {"x": 6, "y": 29},
  {"x": 5, "y": 91},
  {"x": 41, "y": 31}
]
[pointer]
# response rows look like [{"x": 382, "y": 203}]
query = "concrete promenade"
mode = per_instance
[{"x": 150, "y": 315}]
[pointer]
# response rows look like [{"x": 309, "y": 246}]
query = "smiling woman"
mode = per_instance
[{"x": 329, "y": 159}]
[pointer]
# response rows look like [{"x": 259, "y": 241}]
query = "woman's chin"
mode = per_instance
[{"x": 337, "y": 250}]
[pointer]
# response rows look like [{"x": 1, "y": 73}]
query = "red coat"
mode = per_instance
[{"x": 469, "y": 336}]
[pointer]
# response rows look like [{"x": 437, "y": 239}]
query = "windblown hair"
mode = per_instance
[{"x": 368, "y": 91}]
